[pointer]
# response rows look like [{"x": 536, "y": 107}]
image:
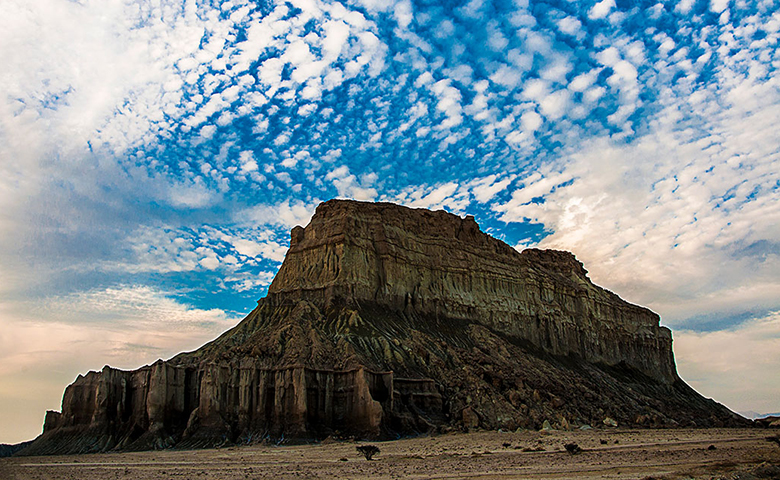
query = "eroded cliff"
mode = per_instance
[
  {"x": 426, "y": 263},
  {"x": 385, "y": 320}
]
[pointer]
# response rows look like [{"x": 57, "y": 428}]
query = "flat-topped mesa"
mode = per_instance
[
  {"x": 386, "y": 320},
  {"x": 425, "y": 263}
]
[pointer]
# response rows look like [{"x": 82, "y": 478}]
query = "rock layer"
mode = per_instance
[
  {"x": 435, "y": 263},
  {"x": 384, "y": 320}
]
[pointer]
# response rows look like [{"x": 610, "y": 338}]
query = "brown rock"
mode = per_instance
[{"x": 470, "y": 418}]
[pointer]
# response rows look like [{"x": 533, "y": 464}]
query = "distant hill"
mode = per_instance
[
  {"x": 8, "y": 450},
  {"x": 755, "y": 415}
]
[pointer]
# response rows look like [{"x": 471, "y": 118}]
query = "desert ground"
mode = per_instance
[{"x": 606, "y": 453}]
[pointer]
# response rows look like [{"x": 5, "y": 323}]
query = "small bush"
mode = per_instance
[
  {"x": 368, "y": 451},
  {"x": 572, "y": 448}
]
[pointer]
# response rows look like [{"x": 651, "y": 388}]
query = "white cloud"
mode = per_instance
[
  {"x": 684, "y": 6},
  {"x": 507, "y": 76},
  {"x": 250, "y": 281},
  {"x": 66, "y": 88},
  {"x": 336, "y": 38},
  {"x": 285, "y": 214},
  {"x": 247, "y": 162},
  {"x": 349, "y": 186},
  {"x": 437, "y": 197},
  {"x": 683, "y": 217},
  {"x": 496, "y": 39},
  {"x": 192, "y": 194},
  {"x": 485, "y": 189},
  {"x": 557, "y": 68},
  {"x": 160, "y": 250},
  {"x": 446, "y": 196},
  {"x": 531, "y": 121},
  {"x": 664, "y": 227},
  {"x": 555, "y": 105},
  {"x": 601, "y": 9},
  {"x": 718, "y": 6},
  {"x": 210, "y": 261},
  {"x": 536, "y": 89},
  {"x": 624, "y": 72},
  {"x": 267, "y": 249},
  {"x": 67, "y": 51},
  {"x": 609, "y": 56},
  {"x": 449, "y": 103},
  {"x": 570, "y": 26},
  {"x": 403, "y": 13}
]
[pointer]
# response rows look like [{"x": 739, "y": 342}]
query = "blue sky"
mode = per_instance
[{"x": 155, "y": 154}]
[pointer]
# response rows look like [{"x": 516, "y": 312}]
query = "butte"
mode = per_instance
[{"x": 386, "y": 321}]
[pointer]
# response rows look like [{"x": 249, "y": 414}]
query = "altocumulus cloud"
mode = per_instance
[{"x": 155, "y": 154}]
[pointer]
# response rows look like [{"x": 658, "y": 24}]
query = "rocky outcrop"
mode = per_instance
[
  {"x": 384, "y": 320},
  {"x": 164, "y": 405}
]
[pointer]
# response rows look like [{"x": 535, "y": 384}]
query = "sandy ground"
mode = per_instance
[{"x": 612, "y": 454}]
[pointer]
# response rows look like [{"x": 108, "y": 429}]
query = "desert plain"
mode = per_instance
[{"x": 606, "y": 453}]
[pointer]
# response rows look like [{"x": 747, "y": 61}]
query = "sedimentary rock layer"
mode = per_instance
[
  {"x": 435, "y": 263},
  {"x": 385, "y": 320}
]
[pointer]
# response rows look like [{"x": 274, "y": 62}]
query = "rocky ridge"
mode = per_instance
[{"x": 386, "y": 321}]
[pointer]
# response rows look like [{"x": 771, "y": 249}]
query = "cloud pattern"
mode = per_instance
[{"x": 171, "y": 145}]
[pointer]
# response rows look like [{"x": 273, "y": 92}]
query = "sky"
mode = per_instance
[{"x": 154, "y": 155}]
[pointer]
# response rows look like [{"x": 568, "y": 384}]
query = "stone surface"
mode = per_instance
[{"x": 385, "y": 320}]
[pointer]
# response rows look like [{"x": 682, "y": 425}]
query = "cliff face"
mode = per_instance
[
  {"x": 385, "y": 320},
  {"x": 434, "y": 263}
]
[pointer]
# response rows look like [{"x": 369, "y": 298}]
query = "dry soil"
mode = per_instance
[{"x": 606, "y": 453}]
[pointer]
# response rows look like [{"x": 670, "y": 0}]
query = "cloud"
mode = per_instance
[
  {"x": 192, "y": 194},
  {"x": 485, "y": 189},
  {"x": 660, "y": 217},
  {"x": 57, "y": 54},
  {"x": 555, "y": 105},
  {"x": 739, "y": 366},
  {"x": 601, "y": 9},
  {"x": 285, "y": 214},
  {"x": 719, "y": 6},
  {"x": 434, "y": 198},
  {"x": 226, "y": 248},
  {"x": 531, "y": 121},
  {"x": 210, "y": 261},
  {"x": 159, "y": 249},
  {"x": 349, "y": 186},
  {"x": 269, "y": 249},
  {"x": 449, "y": 103},
  {"x": 248, "y": 162},
  {"x": 663, "y": 229},
  {"x": 570, "y": 26},
  {"x": 249, "y": 281}
]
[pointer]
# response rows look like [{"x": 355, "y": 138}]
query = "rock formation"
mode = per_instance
[
  {"x": 7, "y": 450},
  {"x": 385, "y": 320}
]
